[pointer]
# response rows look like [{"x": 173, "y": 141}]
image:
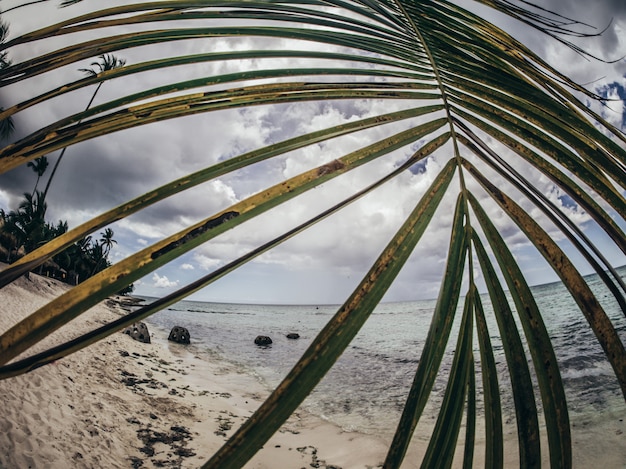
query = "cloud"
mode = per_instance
[
  {"x": 330, "y": 258},
  {"x": 163, "y": 281},
  {"x": 615, "y": 109}
]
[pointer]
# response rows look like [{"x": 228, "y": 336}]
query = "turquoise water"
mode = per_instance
[{"x": 366, "y": 389}]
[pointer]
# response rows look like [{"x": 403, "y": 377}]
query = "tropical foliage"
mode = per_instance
[
  {"x": 474, "y": 98},
  {"x": 26, "y": 229}
]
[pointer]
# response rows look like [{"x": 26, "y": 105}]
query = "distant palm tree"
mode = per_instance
[
  {"x": 31, "y": 216},
  {"x": 105, "y": 245},
  {"x": 107, "y": 62},
  {"x": 39, "y": 166},
  {"x": 107, "y": 241},
  {"x": 96, "y": 254}
]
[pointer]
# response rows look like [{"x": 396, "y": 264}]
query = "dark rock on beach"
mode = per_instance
[
  {"x": 180, "y": 335},
  {"x": 138, "y": 331},
  {"x": 293, "y": 335},
  {"x": 262, "y": 340}
]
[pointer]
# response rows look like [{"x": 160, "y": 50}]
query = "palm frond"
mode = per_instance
[{"x": 456, "y": 90}]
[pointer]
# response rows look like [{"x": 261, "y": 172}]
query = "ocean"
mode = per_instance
[{"x": 366, "y": 389}]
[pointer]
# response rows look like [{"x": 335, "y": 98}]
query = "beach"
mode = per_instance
[{"x": 125, "y": 404}]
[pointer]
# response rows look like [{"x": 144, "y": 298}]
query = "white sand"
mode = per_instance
[
  {"x": 122, "y": 403},
  {"x": 85, "y": 412}
]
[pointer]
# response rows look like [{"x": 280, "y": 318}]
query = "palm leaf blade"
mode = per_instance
[
  {"x": 435, "y": 344},
  {"x": 594, "y": 313},
  {"x": 37, "y": 257},
  {"x": 333, "y": 339},
  {"x": 545, "y": 364},
  {"x": 494, "y": 446},
  {"x": 523, "y": 395},
  {"x": 67, "y": 307},
  {"x": 440, "y": 451}
]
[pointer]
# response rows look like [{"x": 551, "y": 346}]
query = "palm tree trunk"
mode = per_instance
[
  {"x": 56, "y": 165},
  {"x": 36, "y": 184}
]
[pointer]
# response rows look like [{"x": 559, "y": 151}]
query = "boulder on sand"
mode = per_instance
[{"x": 138, "y": 331}]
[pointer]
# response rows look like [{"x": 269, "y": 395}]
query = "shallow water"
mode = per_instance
[{"x": 366, "y": 389}]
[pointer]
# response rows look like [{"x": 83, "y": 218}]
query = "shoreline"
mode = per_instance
[{"x": 121, "y": 403}]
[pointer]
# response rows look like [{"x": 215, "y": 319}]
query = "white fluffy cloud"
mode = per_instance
[{"x": 163, "y": 281}]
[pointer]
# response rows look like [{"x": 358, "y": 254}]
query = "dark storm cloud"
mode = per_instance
[
  {"x": 18, "y": 181},
  {"x": 598, "y": 17},
  {"x": 604, "y": 16}
]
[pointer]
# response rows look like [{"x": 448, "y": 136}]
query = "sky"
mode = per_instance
[{"x": 320, "y": 266}]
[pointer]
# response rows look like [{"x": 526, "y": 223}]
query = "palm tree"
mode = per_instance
[
  {"x": 474, "y": 100},
  {"x": 81, "y": 258},
  {"x": 4, "y": 33},
  {"x": 105, "y": 245},
  {"x": 8, "y": 240},
  {"x": 39, "y": 166},
  {"x": 30, "y": 218},
  {"x": 106, "y": 63},
  {"x": 107, "y": 241},
  {"x": 95, "y": 256},
  {"x": 27, "y": 223}
]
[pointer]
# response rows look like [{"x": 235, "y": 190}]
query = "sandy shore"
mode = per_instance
[{"x": 124, "y": 404}]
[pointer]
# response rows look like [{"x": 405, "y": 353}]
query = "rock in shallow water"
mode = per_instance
[
  {"x": 262, "y": 340},
  {"x": 180, "y": 335},
  {"x": 293, "y": 335}
]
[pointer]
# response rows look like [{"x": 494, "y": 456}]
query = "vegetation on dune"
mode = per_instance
[{"x": 475, "y": 99}]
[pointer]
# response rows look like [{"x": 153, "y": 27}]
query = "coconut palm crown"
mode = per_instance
[{"x": 458, "y": 91}]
